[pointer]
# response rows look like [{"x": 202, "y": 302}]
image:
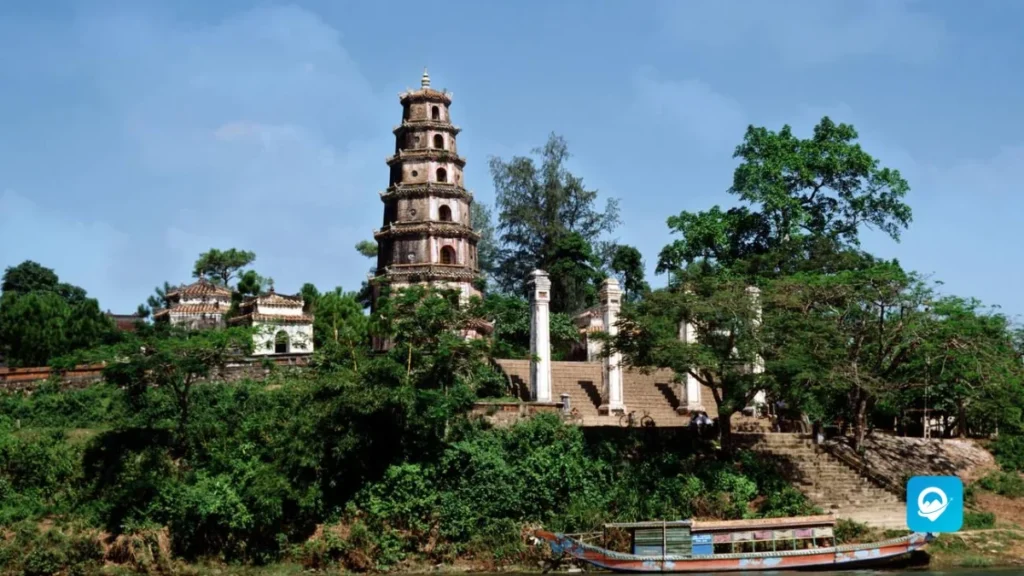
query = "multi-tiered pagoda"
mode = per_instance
[{"x": 427, "y": 236}]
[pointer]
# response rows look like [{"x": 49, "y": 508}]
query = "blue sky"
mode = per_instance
[{"x": 135, "y": 134}]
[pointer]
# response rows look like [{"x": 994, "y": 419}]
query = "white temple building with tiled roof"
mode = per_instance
[
  {"x": 197, "y": 306},
  {"x": 281, "y": 325}
]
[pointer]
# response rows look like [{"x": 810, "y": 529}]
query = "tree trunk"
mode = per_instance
[
  {"x": 961, "y": 419},
  {"x": 859, "y": 421},
  {"x": 725, "y": 431}
]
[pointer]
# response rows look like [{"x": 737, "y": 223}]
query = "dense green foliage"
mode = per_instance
[{"x": 42, "y": 318}]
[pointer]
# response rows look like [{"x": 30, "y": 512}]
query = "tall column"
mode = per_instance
[
  {"x": 690, "y": 385},
  {"x": 611, "y": 303},
  {"x": 540, "y": 336},
  {"x": 758, "y": 368}
]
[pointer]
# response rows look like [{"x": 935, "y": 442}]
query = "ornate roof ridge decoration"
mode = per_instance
[
  {"x": 210, "y": 308},
  {"x": 201, "y": 287},
  {"x": 273, "y": 298},
  {"x": 440, "y": 190},
  {"x": 429, "y": 227},
  {"x": 417, "y": 125},
  {"x": 271, "y": 318},
  {"x": 427, "y": 93},
  {"x": 427, "y": 154},
  {"x": 480, "y": 325}
]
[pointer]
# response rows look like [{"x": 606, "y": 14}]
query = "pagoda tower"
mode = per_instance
[{"x": 427, "y": 235}]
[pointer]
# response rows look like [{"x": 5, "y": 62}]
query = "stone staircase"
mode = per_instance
[
  {"x": 828, "y": 482},
  {"x": 653, "y": 395}
]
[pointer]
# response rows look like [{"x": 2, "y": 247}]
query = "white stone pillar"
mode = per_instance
[
  {"x": 610, "y": 297},
  {"x": 758, "y": 368},
  {"x": 540, "y": 336},
  {"x": 690, "y": 385}
]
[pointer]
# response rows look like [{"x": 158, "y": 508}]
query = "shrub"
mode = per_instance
[
  {"x": 979, "y": 520},
  {"x": 1009, "y": 452},
  {"x": 1009, "y": 484}
]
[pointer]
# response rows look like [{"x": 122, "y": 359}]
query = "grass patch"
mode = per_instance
[{"x": 979, "y": 520}]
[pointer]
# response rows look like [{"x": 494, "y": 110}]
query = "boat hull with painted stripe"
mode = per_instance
[{"x": 842, "y": 557}]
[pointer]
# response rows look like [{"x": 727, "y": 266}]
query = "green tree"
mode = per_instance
[
  {"x": 541, "y": 207},
  {"x": 42, "y": 318},
  {"x": 221, "y": 266},
  {"x": 28, "y": 277},
  {"x": 511, "y": 317},
  {"x": 803, "y": 205},
  {"x": 175, "y": 361},
  {"x": 969, "y": 365},
  {"x": 628, "y": 265},
  {"x": 367, "y": 248},
  {"x": 340, "y": 326},
  {"x": 486, "y": 247},
  {"x": 847, "y": 335},
  {"x": 726, "y": 321}
]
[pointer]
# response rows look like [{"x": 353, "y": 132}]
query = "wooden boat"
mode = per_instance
[{"x": 801, "y": 543}]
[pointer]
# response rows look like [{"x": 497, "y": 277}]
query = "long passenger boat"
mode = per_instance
[{"x": 801, "y": 543}]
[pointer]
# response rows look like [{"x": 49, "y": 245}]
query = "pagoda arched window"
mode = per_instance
[
  {"x": 442, "y": 175},
  {"x": 447, "y": 255},
  {"x": 438, "y": 141},
  {"x": 435, "y": 113},
  {"x": 444, "y": 213}
]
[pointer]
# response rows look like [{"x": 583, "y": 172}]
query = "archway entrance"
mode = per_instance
[{"x": 281, "y": 342}]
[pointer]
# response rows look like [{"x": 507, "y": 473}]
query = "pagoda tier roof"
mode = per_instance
[
  {"x": 203, "y": 287},
  {"x": 428, "y": 94},
  {"x": 427, "y": 154},
  {"x": 271, "y": 319},
  {"x": 428, "y": 272},
  {"x": 435, "y": 189},
  {"x": 418, "y": 125},
  {"x": 427, "y": 228}
]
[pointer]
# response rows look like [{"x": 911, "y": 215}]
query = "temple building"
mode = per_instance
[
  {"x": 197, "y": 306},
  {"x": 281, "y": 325},
  {"x": 427, "y": 235}
]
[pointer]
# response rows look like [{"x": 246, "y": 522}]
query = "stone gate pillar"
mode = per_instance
[
  {"x": 690, "y": 386},
  {"x": 540, "y": 336},
  {"x": 610, "y": 297},
  {"x": 758, "y": 368}
]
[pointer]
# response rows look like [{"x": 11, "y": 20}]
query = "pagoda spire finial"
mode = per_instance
[{"x": 425, "y": 79}]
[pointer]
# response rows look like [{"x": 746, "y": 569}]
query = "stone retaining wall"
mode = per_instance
[{"x": 28, "y": 379}]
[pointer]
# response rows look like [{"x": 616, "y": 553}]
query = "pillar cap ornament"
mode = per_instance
[
  {"x": 539, "y": 279},
  {"x": 425, "y": 79}
]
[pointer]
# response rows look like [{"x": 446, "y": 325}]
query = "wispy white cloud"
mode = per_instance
[{"x": 257, "y": 132}]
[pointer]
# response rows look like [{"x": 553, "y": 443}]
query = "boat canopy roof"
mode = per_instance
[
  {"x": 764, "y": 523},
  {"x": 651, "y": 524}
]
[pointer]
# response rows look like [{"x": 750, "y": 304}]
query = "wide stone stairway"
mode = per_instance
[
  {"x": 828, "y": 482},
  {"x": 650, "y": 397}
]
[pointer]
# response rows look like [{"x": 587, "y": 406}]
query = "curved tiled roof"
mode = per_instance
[
  {"x": 272, "y": 318},
  {"x": 201, "y": 288},
  {"x": 213, "y": 308}
]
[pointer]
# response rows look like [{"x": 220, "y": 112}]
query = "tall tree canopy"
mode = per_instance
[
  {"x": 42, "y": 318},
  {"x": 542, "y": 212},
  {"x": 803, "y": 205},
  {"x": 486, "y": 247},
  {"x": 628, "y": 264},
  {"x": 221, "y": 266}
]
